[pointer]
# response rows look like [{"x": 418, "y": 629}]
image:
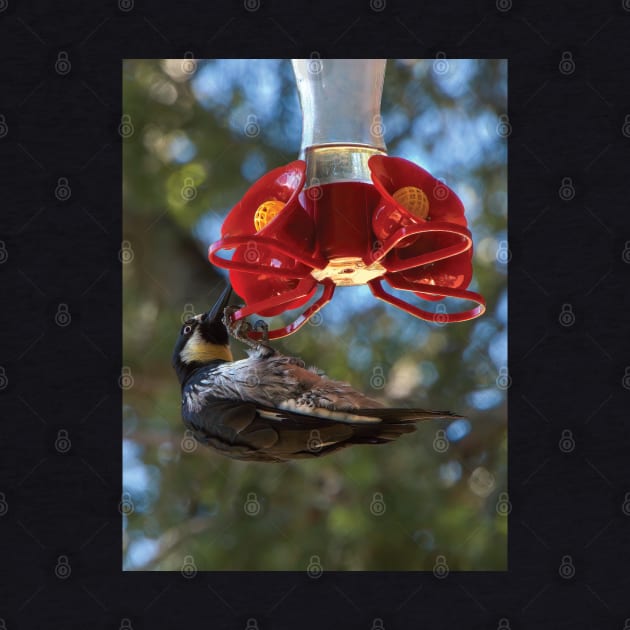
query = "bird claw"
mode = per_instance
[
  {"x": 262, "y": 327},
  {"x": 236, "y": 328},
  {"x": 241, "y": 328}
]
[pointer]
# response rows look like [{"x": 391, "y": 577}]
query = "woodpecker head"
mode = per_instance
[{"x": 202, "y": 339}]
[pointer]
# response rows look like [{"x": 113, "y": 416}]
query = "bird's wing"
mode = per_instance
[
  {"x": 250, "y": 431},
  {"x": 281, "y": 381}
]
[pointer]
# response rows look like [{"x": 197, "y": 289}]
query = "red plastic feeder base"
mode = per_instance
[{"x": 407, "y": 228}]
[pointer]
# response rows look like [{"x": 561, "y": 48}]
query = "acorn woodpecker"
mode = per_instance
[{"x": 270, "y": 407}]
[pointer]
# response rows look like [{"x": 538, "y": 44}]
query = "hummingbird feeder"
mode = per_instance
[{"x": 345, "y": 213}]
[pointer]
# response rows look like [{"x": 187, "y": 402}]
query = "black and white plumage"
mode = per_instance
[{"x": 270, "y": 407}]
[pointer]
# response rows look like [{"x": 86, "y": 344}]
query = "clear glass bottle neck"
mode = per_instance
[{"x": 341, "y": 117}]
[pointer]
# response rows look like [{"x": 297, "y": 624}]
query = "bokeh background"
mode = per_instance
[{"x": 196, "y": 134}]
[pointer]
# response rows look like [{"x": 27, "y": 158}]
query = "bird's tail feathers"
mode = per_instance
[
  {"x": 401, "y": 415},
  {"x": 393, "y": 423}
]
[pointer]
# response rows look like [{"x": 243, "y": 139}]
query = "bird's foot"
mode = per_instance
[
  {"x": 241, "y": 328},
  {"x": 262, "y": 327},
  {"x": 263, "y": 346},
  {"x": 238, "y": 329}
]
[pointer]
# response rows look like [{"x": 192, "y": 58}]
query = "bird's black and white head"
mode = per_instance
[{"x": 202, "y": 339}]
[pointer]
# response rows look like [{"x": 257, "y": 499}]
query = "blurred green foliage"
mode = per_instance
[{"x": 187, "y": 160}]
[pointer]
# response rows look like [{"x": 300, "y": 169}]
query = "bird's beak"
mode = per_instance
[{"x": 215, "y": 314}]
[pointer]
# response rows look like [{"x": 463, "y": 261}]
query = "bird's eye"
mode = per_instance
[{"x": 186, "y": 330}]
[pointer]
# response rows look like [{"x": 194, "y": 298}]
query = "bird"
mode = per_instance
[{"x": 270, "y": 407}]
